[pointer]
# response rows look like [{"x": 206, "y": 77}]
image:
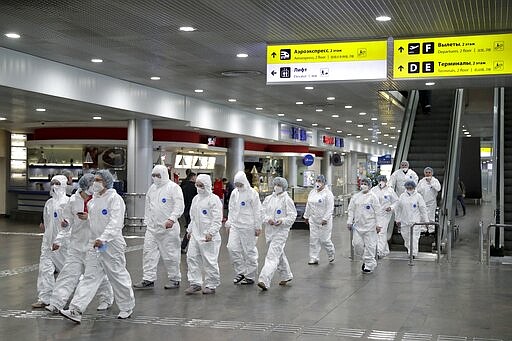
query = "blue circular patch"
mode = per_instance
[
  {"x": 319, "y": 200},
  {"x": 104, "y": 211},
  {"x": 410, "y": 176},
  {"x": 242, "y": 203},
  {"x": 205, "y": 212},
  {"x": 55, "y": 214},
  {"x": 164, "y": 200},
  {"x": 386, "y": 197},
  {"x": 414, "y": 206},
  {"x": 367, "y": 207},
  {"x": 279, "y": 211}
]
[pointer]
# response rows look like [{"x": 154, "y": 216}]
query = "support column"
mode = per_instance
[
  {"x": 292, "y": 171},
  {"x": 140, "y": 159},
  {"x": 326, "y": 167},
  {"x": 234, "y": 157},
  {"x": 352, "y": 170}
]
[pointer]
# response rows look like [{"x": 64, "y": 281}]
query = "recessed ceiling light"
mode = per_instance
[
  {"x": 392, "y": 128},
  {"x": 314, "y": 124},
  {"x": 383, "y": 18},
  {"x": 155, "y": 78},
  {"x": 327, "y": 128},
  {"x": 466, "y": 132},
  {"x": 348, "y": 121},
  {"x": 362, "y": 113},
  {"x": 339, "y": 131},
  {"x": 97, "y": 60},
  {"x": 12, "y": 35},
  {"x": 259, "y": 108},
  {"x": 3, "y": 118},
  {"x": 187, "y": 28},
  {"x": 390, "y": 145},
  {"x": 373, "y": 141},
  {"x": 349, "y": 134},
  {"x": 386, "y": 135},
  {"x": 398, "y": 130},
  {"x": 366, "y": 139},
  {"x": 280, "y": 114},
  {"x": 374, "y": 118},
  {"x": 370, "y": 129},
  {"x": 384, "y": 123},
  {"x": 358, "y": 136},
  {"x": 335, "y": 115},
  {"x": 379, "y": 142},
  {"x": 319, "y": 110},
  {"x": 309, "y": 87},
  {"x": 242, "y": 55},
  {"x": 393, "y": 137},
  {"x": 198, "y": 90},
  {"x": 232, "y": 100},
  {"x": 40, "y": 109},
  {"x": 96, "y": 118},
  {"x": 468, "y": 135},
  {"x": 298, "y": 119},
  {"x": 331, "y": 98},
  {"x": 359, "y": 125},
  {"x": 348, "y": 107},
  {"x": 299, "y": 102},
  {"x": 430, "y": 83},
  {"x": 378, "y": 132}
]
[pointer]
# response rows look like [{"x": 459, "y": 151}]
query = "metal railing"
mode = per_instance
[{"x": 488, "y": 252}]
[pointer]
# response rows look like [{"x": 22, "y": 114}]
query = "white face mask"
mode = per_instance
[
  {"x": 97, "y": 187},
  {"x": 410, "y": 191},
  {"x": 201, "y": 190},
  {"x": 364, "y": 188},
  {"x": 278, "y": 189},
  {"x": 318, "y": 185},
  {"x": 405, "y": 169},
  {"x": 157, "y": 181},
  {"x": 382, "y": 184},
  {"x": 53, "y": 190}
]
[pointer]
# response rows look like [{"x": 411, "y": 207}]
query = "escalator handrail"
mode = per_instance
[{"x": 404, "y": 139}]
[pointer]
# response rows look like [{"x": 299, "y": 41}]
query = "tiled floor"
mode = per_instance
[{"x": 449, "y": 301}]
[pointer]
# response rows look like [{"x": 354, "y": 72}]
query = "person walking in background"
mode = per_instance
[
  {"x": 164, "y": 205},
  {"x": 318, "y": 215},
  {"x": 279, "y": 214},
  {"x": 386, "y": 197},
  {"x": 243, "y": 226},
  {"x": 428, "y": 187},
  {"x": 400, "y": 176},
  {"x": 461, "y": 194},
  {"x": 188, "y": 187},
  {"x": 55, "y": 241},
  {"x": 205, "y": 240}
]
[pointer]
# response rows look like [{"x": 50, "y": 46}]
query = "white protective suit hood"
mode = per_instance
[
  {"x": 164, "y": 175},
  {"x": 207, "y": 182},
  {"x": 241, "y": 178},
  {"x": 60, "y": 190}
]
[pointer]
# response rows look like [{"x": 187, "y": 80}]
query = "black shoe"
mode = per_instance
[
  {"x": 144, "y": 285},
  {"x": 362, "y": 267},
  {"x": 247, "y": 281},
  {"x": 367, "y": 271},
  {"x": 413, "y": 257},
  {"x": 238, "y": 278}
]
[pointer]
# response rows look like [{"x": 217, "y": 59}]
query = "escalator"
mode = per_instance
[
  {"x": 507, "y": 184},
  {"x": 428, "y": 146}
]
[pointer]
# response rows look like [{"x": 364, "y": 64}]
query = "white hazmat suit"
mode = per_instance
[
  {"x": 363, "y": 219},
  {"x": 244, "y": 222},
  {"x": 164, "y": 204},
  {"x": 387, "y": 197},
  {"x": 279, "y": 214},
  {"x": 205, "y": 222},
  {"x": 399, "y": 177},
  {"x": 79, "y": 244},
  {"x": 410, "y": 209},
  {"x": 319, "y": 210},
  {"x": 50, "y": 259},
  {"x": 428, "y": 188},
  {"x": 106, "y": 217}
]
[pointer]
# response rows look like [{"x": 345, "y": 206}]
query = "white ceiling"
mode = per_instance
[{"x": 140, "y": 39}]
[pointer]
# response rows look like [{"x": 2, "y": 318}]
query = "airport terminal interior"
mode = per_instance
[{"x": 338, "y": 90}]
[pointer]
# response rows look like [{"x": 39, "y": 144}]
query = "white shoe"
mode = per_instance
[
  {"x": 125, "y": 314},
  {"x": 73, "y": 315},
  {"x": 103, "y": 306},
  {"x": 52, "y": 309}
]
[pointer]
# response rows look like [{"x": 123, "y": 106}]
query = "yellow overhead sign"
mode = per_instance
[
  {"x": 327, "y": 62},
  {"x": 326, "y": 52},
  {"x": 453, "y": 56}
]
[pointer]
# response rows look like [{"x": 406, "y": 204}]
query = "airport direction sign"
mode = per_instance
[
  {"x": 478, "y": 55},
  {"x": 327, "y": 62}
]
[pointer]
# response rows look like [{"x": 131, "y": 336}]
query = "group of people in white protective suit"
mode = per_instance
[
  {"x": 83, "y": 241},
  {"x": 371, "y": 209}
]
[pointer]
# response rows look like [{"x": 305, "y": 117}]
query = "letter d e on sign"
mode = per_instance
[{"x": 414, "y": 67}]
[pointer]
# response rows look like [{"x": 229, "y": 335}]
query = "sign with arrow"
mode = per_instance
[
  {"x": 327, "y": 62},
  {"x": 453, "y": 56}
]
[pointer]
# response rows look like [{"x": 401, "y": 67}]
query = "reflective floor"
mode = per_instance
[{"x": 461, "y": 300}]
